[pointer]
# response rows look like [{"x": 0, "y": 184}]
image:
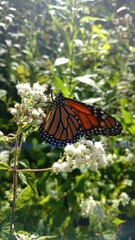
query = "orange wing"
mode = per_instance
[
  {"x": 95, "y": 121},
  {"x": 61, "y": 125}
]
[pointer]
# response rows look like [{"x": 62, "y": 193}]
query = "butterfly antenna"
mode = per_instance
[{"x": 52, "y": 96}]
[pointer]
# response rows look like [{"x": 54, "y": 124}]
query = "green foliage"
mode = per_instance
[{"x": 86, "y": 49}]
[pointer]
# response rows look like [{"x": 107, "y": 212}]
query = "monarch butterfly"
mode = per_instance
[{"x": 69, "y": 119}]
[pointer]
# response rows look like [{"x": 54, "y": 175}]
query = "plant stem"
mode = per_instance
[
  {"x": 72, "y": 44},
  {"x": 15, "y": 176},
  {"x": 34, "y": 170}
]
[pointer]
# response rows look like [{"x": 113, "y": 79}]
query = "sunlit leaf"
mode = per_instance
[
  {"x": 123, "y": 8},
  {"x": 91, "y": 18},
  {"x": 106, "y": 46},
  {"x": 61, "y": 61},
  {"x": 101, "y": 32},
  {"x": 118, "y": 221},
  {"x": 87, "y": 80},
  {"x": 22, "y": 71},
  {"x": 127, "y": 116},
  {"x": 92, "y": 100},
  {"x": 60, "y": 85},
  {"x": 24, "y": 198},
  {"x": 132, "y": 129}
]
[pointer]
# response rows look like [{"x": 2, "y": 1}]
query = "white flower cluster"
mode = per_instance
[
  {"x": 92, "y": 208},
  {"x": 129, "y": 155},
  {"x": 3, "y": 93},
  {"x": 29, "y": 110},
  {"x": 4, "y": 156},
  {"x": 1, "y": 133},
  {"x": 83, "y": 153},
  {"x": 21, "y": 236},
  {"x": 124, "y": 199}
]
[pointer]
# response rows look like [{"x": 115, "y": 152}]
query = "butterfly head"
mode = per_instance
[{"x": 59, "y": 99}]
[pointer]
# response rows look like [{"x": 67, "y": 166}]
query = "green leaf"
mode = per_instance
[
  {"x": 100, "y": 32},
  {"x": 89, "y": 81},
  {"x": 118, "y": 221},
  {"x": 90, "y": 18},
  {"x": 3, "y": 168},
  {"x": 132, "y": 129},
  {"x": 29, "y": 179},
  {"x": 92, "y": 100},
  {"x": 66, "y": 222},
  {"x": 24, "y": 198},
  {"x": 127, "y": 117},
  {"x": 59, "y": 83}
]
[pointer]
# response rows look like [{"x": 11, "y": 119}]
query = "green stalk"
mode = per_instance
[
  {"x": 15, "y": 178},
  {"x": 72, "y": 44}
]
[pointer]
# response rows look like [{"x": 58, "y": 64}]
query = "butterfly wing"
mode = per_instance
[
  {"x": 95, "y": 121},
  {"x": 61, "y": 125},
  {"x": 69, "y": 119}
]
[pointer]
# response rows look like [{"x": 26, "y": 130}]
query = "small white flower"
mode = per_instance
[
  {"x": 1, "y": 133},
  {"x": 77, "y": 151},
  {"x": 102, "y": 160},
  {"x": 128, "y": 19},
  {"x": 87, "y": 158},
  {"x": 88, "y": 150},
  {"x": 41, "y": 112},
  {"x": 56, "y": 167},
  {"x": 4, "y": 156},
  {"x": 13, "y": 111},
  {"x": 94, "y": 154},
  {"x": 37, "y": 122},
  {"x": 90, "y": 143},
  {"x": 90, "y": 207},
  {"x": 17, "y": 106},
  {"x": 69, "y": 159},
  {"x": 37, "y": 87},
  {"x": 35, "y": 112},
  {"x": 130, "y": 155},
  {"x": 23, "y": 89},
  {"x": 81, "y": 148},
  {"x": 69, "y": 149},
  {"x": 94, "y": 165},
  {"x": 3, "y": 93},
  {"x": 124, "y": 198},
  {"x": 38, "y": 92},
  {"x": 115, "y": 203},
  {"x": 99, "y": 147},
  {"x": 78, "y": 160},
  {"x": 65, "y": 167},
  {"x": 21, "y": 236}
]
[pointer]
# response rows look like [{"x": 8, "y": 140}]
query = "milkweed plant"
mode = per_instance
[{"x": 84, "y": 154}]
